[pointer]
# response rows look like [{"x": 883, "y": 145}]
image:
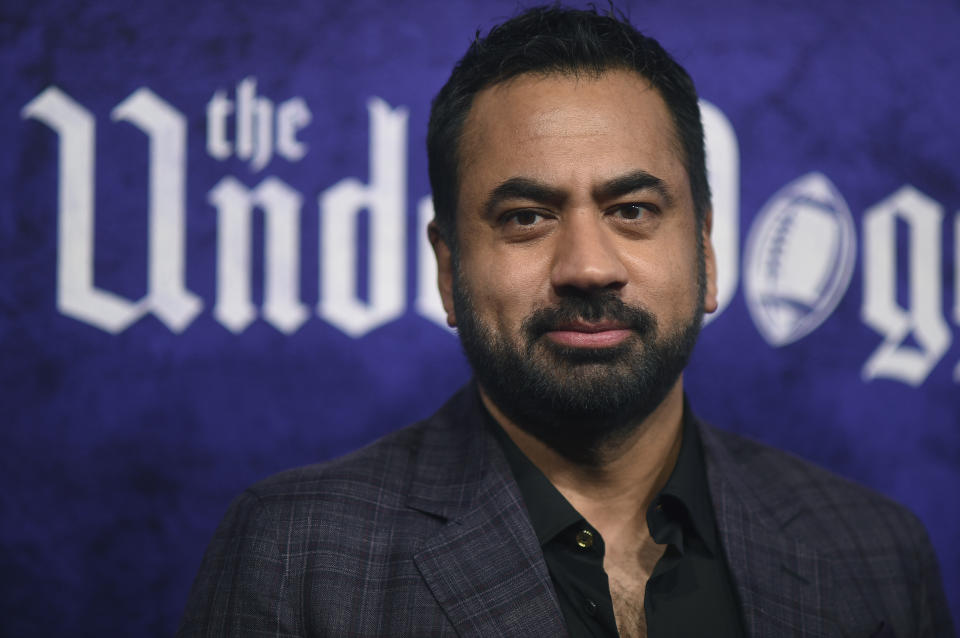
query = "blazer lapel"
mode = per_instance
[
  {"x": 783, "y": 584},
  {"x": 485, "y": 567}
]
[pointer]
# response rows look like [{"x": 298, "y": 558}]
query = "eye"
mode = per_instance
[
  {"x": 632, "y": 211},
  {"x": 526, "y": 224},
  {"x": 524, "y": 217}
]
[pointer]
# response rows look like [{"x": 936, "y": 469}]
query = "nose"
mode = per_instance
[{"x": 586, "y": 256}]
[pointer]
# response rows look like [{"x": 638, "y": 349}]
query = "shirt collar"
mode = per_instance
[
  {"x": 550, "y": 513},
  {"x": 686, "y": 495},
  {"x": 685, "y": 498}
]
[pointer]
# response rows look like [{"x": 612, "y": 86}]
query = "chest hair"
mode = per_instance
[{"x": 628, "y": 573}]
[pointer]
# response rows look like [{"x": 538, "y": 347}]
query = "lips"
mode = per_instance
[
  {"x": 596, "y": 321},
  {"x": 582, "y": 334}
]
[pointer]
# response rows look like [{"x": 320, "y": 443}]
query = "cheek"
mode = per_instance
[
  {"x": 504, "y": 287},
  {"x": 665, "y": 280}
]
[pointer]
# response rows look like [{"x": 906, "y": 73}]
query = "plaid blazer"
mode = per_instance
[{"x": 424, "y": 533}]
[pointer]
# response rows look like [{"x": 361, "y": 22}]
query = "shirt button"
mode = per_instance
[
  {"x": 591, "y": 607},
  {"x": 584, "y": 539}
]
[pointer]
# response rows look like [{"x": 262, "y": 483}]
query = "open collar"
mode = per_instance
[{"x": 484, "y": 567}]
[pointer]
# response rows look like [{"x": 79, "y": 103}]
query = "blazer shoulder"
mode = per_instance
[
  {"x": 442, "y": 451},
  {"x": 330, "y": 523},
  {"x": 379, "y": 467},
  {"x": 821, "y": 505},
  {"x": 877, "y": 548}
]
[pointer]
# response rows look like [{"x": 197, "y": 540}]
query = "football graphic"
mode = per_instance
[{"x": 799, "y": 259}]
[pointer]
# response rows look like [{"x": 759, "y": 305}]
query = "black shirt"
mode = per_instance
[{"x": 690, "y": 592}]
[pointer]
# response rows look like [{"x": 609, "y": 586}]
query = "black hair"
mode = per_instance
[{"x": 557, "y": 40}]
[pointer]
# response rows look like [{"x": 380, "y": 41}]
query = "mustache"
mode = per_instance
[{"x": 604, "y": 305}]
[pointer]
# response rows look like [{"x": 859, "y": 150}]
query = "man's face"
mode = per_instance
[{"x": 579, "y": 287}]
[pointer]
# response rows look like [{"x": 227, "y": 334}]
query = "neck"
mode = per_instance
[{"x": 613, "y": 494}]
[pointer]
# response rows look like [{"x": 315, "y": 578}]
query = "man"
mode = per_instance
[{"x": 570, "y": 490}]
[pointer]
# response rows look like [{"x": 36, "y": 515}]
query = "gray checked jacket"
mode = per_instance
[{"x": 424, "y": 533}]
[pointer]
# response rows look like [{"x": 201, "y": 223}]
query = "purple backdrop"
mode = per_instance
[{"x": 189, "y": 301}]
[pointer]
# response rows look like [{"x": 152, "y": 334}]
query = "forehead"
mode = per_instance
[{"x": 569, "y": 129}]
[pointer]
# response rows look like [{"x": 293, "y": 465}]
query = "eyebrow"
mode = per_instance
[
  {"x": 536, "y": 191},
  {"x": 523, "y": 188},
  {"x": 631, "y": 183}
]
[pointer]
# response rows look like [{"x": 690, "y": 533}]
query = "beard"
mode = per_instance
[{"x": 577, "y": 400}]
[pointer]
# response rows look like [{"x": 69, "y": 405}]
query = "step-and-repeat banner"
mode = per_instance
[{"x": 213, "y": 263}]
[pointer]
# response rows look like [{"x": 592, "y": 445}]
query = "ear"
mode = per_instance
[
  {"x": 444, "y": 270},
  {"x": 710, "y": 263}
]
